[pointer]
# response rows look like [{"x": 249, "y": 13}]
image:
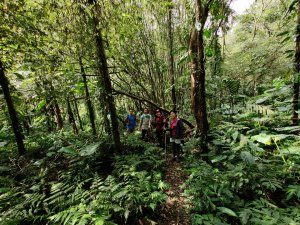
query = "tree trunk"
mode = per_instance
[
  {"x": 77, "y": 113},
  {"x": 58, "y": 118},
  {"x": 295, "y": 118},
  {"x": 106, "y": 82},
  {"x": 71, "y": 118},
  {"x": 88, "y": 100},
  {"x": 171, "y": 56},
  {"x": 12, "y": 112},
  {"x": 196, "y": 49},
  {"x": 56, "y": 109}
]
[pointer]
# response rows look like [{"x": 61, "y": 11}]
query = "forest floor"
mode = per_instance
[{"x": 174, "y": 210}]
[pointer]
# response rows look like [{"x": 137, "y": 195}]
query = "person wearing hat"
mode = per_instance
[{"x": 159, "y": 124}]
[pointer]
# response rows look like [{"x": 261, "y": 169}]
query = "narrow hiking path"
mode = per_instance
[{"x": 173, "y": 212}]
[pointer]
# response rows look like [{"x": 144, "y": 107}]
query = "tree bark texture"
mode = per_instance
[
  {"x": 106, "y": 82},
  {"x": 58, "y": 118},
  {"x": 78, "y": 114},
  {"x": 171, "y": 56},
  {"x": 295, "y": 118},
  {"x": 11, "y": 110},
  {"x": 196, "y": 50},
  {"x": 71, "y": 118}
]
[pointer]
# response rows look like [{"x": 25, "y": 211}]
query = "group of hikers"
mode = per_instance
[{"x": 161, "y": 125}]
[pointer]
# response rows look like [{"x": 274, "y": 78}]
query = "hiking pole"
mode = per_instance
[{"x": 165, "y": 132}]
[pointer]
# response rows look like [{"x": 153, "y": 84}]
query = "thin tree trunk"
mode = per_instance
[
  {"x": 171, "y": 56},
  {"x": 12, "y": 112},
  {"x": 58, "y": 118},
  {"x": 78, "y": 114},
  {"x": 196, "y": 49},
  {"x": 295, "y": 118},
  {"x": 71, "y": 118},
  {"x": 56, "y": 109},
  {"x": 88, "y": 100},
  {"x": 109, "y": 99}
]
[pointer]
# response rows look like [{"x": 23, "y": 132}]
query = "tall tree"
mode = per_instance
[
  {"x": 11, "y": 109},
  {"x": 171, "y": 56},
  {"x": 295, "y": 117},
  {"x": 196, "y": 50},
  {"x": 87, "y": 96},
  {"x": 71, "y": 117},
  {"x": 105, "y": 78}
]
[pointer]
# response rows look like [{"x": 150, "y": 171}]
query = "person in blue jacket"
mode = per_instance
[{"x": 130, "y": 121}]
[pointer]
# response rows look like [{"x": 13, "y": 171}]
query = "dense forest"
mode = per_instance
[{"x": 220, "y": 144}]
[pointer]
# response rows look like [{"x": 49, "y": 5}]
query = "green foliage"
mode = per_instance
[
  {"x": 73, "y": 190},
  {"x": 251, "y": 176}
]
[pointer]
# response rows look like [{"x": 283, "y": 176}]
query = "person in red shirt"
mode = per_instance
[{"x": 159, "y": 124}]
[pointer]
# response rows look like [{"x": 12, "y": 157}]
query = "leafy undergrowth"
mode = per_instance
[
  {"x": 75, "y": 182},
  {"x": 252, "y": 175}
]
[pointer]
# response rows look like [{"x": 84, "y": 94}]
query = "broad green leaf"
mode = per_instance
[
  {"x": 219, "y": 158},
  {"x": 90, "y": 149},
  {"x": 245, "y": 215},
  {"x": 120, "y": 194},
  {"x": 243, "y": 141},
  {"x": 262, "y": 100},
  {"x": 262, "y": 138},
  {"x": 291, "y": 150},
  {"x": 227, "y": 211},
  {"x": 288, "y": 129},
  {"x": 183, "y": 58},
  {"x": 235, "y": 135},
  {"x": 68, "y": 150},
  {"x": 279, "y": 137},
  {"x": 99, "y": 221},
  {"x": 254, "y": 147},
  {"x": 41, "y": 105},
  {"x": 247, "y": 157}
]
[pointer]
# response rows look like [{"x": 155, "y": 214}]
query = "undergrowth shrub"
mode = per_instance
[
  {"x": 250, "y": 178},
  {"x": 73, "y": 184}
]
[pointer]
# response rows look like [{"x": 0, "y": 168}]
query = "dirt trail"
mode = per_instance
[{"x": 173, "y": 211}]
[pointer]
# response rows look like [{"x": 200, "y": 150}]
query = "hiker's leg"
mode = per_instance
[
  {"x": 178, "y": 147},
  {"x": 173, "y": 146},
  {"x": 147, "y": 135},
  {"x": 160, "y": 138},
  {"x": 144, "y": 134}
]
